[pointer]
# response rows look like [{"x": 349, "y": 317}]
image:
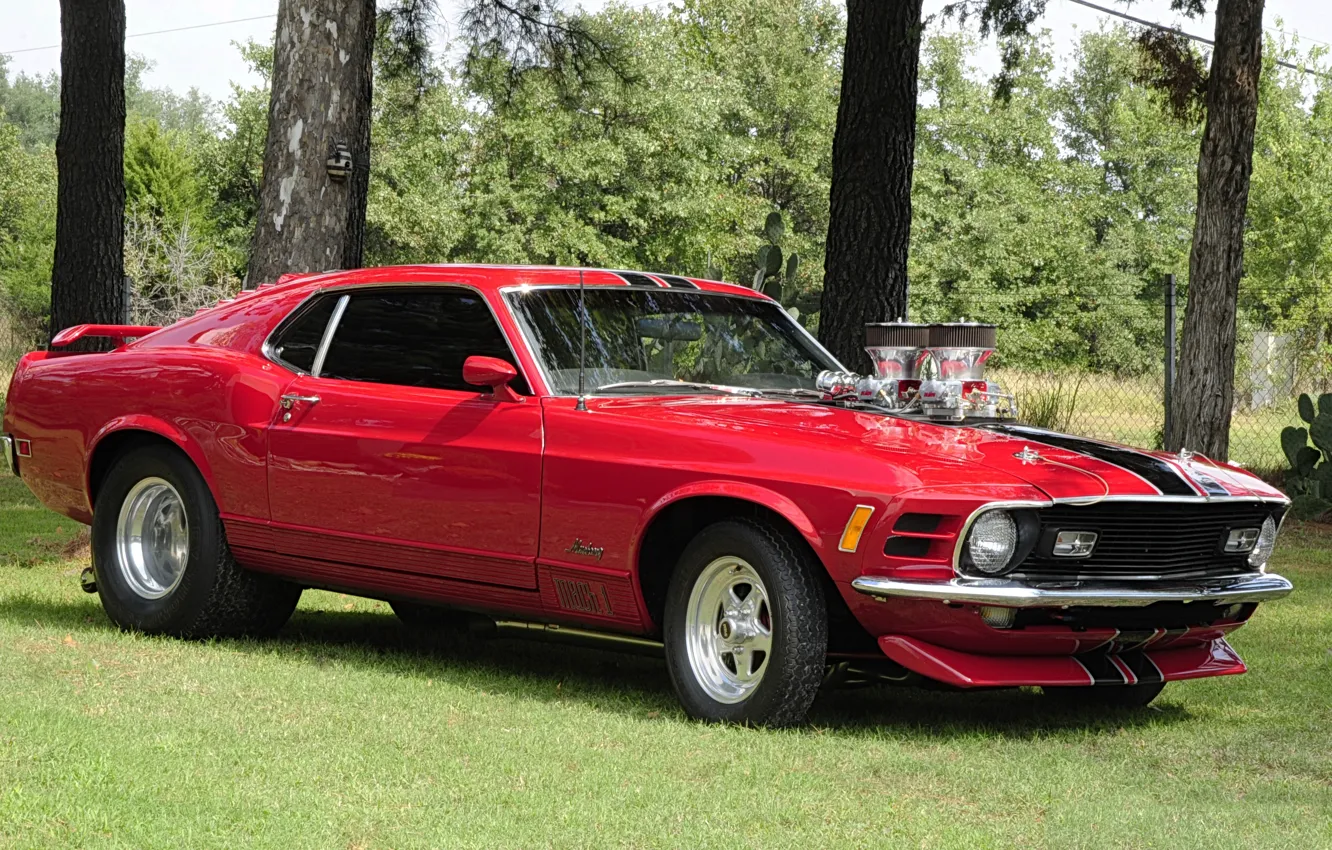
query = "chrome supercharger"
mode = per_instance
[{"x": 936, "y": 372}]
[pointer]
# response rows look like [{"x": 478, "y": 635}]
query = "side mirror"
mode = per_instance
[{"x": 491, "y": 372}]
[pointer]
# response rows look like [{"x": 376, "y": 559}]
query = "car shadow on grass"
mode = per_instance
[{"x": 630, "y": 684}]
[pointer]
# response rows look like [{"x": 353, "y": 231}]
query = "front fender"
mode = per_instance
[{"x": 755, "y": 493}]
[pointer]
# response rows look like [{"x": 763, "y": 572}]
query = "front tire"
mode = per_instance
[
  {"x": 746, "y": 628},
  {"x": 161, "y": 558}
]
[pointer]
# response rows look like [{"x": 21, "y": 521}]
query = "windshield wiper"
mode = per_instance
[
  {"x": 794, "y": 392},
  {"x": 663, "y": 383}
]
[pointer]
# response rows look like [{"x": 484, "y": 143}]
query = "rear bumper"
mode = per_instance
[
  {"x": 971, "y": 670},
  {"x": 7, "y": 448},
  {"x": 1253, "y": 587}
]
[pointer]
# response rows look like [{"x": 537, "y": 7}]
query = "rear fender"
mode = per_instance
[{"x": 152, "y": 425}]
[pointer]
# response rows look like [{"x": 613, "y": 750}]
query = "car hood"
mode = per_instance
[{"x": 1061, "y": 466}]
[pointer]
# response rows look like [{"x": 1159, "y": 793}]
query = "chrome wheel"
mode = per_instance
[
  {"x": 728, "y": 628},
  {"x": 152, "y": 538}
]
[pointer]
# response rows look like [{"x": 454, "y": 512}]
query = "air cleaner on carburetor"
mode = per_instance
[
  {"x": 935, "y": 371},
  {"x": 898, "y": 350},
  {"x": 959, "y": 389}
]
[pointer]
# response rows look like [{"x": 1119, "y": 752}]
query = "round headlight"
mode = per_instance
[
  {"x": 1262, "y": 550},
  {"x": 992, "y": 541}
]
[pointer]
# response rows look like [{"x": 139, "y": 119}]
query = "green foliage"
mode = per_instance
[
  {"x": 1309, "y": 478},
  {"x": 231, "y": 161},
  {"x": 27, "y": 230},
  {"x": 769, "y": 278},
  {"x": 165, "y": 180},
  {"x": 31, "y": 104},
  {"x": 1054, "y": 213},
  {"x": 160, "y": 174}
]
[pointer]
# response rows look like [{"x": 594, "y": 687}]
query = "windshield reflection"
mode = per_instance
[{"x": 683, "y": 340}]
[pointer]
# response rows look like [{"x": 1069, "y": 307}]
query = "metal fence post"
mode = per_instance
[{"x": 1170, "y": 294}]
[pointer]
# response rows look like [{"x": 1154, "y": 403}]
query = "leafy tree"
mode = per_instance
[
  {"x": 27, "y": 227},
  {"x": 308, "y": 218},
  {"x": 31, "y": 103},
  {"x": 160, "y": 175},
  {"x": 869, "y": 230},
  {"x": 230, "y": 161},
  {"x": 320, "y": 108}
]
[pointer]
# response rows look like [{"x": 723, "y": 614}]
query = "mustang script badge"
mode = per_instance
[{"x": 581, "y": 548}]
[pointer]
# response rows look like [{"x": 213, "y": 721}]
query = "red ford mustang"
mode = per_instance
[{"x": 648, "y": 459}]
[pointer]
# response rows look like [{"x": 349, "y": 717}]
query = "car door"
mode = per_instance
[{"x": 382, "y": 456}]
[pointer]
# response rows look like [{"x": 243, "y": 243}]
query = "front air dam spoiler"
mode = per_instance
[{"x": 969, "y": 670}]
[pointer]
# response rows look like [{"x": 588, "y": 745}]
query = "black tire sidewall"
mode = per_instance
[
  {"x": 794, "y": 598},
  {"x": 175, "y": 612}
]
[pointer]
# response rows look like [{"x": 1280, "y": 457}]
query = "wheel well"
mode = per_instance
[
  {"x": 671, "y": 531},
  {"x": 112, "y": 447}
]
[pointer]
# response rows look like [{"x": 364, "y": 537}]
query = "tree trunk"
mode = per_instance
[
  {"x": 865, "y": 272},
  {"x": 1204, "y": 391},
  {"x": 88, "y": 277},
  {"x": 307, "y": 220}
]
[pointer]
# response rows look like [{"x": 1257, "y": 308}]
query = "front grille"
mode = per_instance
[{"x": 1145, "y": 540}]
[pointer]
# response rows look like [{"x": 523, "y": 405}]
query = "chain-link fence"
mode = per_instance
[{"x": 1098, "y": 368}]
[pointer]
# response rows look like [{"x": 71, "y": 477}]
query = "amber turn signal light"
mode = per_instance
[{"x": 855, "y": 527}]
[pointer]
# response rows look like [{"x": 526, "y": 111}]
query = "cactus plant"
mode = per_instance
[
  {"x": 1310, "y": 477},
  {"x": 769, "y": 278}
]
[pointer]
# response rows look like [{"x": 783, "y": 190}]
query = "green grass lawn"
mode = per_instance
[{"x": 345, "y": 732}]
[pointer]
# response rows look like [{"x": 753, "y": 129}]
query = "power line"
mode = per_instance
[
  {"x": 1163, "y": 28},
  {"x": 154, "y": 32}
]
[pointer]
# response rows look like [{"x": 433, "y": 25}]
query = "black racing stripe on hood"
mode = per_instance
[{"x": 1156, "y": 471}]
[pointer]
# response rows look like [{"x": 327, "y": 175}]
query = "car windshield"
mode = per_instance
[{"x": 685, "y": 340}]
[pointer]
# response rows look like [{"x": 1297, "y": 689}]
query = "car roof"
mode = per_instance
[{"x": 495, "y": 278}]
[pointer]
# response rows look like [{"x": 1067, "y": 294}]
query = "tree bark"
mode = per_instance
[
  {"x": 1204, "y": 391},
  {"x": 321, "y": 94},
  {"x": 869, "y": 230},
  {"x": 87, "y": 277}
]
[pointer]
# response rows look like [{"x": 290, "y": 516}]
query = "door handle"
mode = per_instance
[{"x": 287, "y": 401}]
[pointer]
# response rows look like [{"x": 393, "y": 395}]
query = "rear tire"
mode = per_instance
[
  {"x": 746, "y": 628},
  {"x": 1107, "y": 696},
  {"x": 161, "y": 558}
]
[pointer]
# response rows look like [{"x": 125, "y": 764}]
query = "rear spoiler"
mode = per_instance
[{"x": 119, "y": 333}]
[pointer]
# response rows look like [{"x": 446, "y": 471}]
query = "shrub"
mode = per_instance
[
  {"x": 1052, "y": 404},
  {"x": 1309, "y": 480}
]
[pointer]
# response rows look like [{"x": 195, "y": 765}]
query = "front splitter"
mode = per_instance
[{"x": 971, "y": 670}]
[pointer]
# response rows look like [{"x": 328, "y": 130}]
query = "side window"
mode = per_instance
[
  {"x": 297, "y": 340},
  {"x": 416, "y": 339}
]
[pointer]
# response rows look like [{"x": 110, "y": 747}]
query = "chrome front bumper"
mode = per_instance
[
  {"x": 1252, "y": 587},
  {"x": 7, "y": 449}
]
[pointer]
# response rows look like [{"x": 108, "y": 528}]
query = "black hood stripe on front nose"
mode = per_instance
[{"x": 1154, "y": 471}]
